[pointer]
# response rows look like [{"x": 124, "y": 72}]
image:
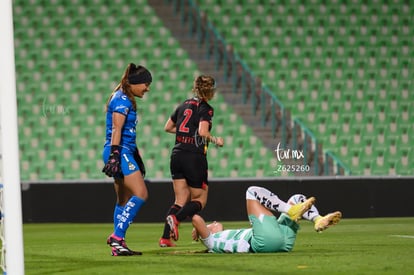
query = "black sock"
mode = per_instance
[
  {"x": 188, "y": 210},
  {"x": 172, "y": 211}
]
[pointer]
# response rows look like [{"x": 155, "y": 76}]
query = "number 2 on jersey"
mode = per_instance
[{"x": 187, "y": 115}]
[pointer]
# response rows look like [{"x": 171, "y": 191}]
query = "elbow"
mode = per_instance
[
  {"x": 169, "y": 129},
  {"x": 204, "y": 133},
  {"x": 169, "y": 126}
]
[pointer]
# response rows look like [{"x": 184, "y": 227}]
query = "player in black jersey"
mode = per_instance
[{"x": 191, "y": 122}]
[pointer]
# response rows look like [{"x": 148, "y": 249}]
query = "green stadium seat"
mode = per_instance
[{"x": 344, "y": 67}]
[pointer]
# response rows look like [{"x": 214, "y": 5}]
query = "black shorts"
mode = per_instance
[{"x": 190, "y": 166}]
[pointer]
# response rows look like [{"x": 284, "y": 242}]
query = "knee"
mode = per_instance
[
  {"x": 141, "y": 193},
  {"x": 182, "y": 198},
  {"x": 144, "y": 196}
]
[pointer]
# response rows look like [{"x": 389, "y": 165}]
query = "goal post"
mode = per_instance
[{"x": 12, "y": 240}]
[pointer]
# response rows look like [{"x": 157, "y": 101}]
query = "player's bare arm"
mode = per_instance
[
  {"x": 203, "y": 131},
  {"x": 200, "y": 228},
  {"x": 170, "y": 126}
]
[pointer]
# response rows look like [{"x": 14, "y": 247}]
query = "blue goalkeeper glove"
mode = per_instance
[{"x": 112, "y": 167}]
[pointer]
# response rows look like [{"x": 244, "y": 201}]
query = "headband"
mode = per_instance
[{"x": 140, "y": 78}]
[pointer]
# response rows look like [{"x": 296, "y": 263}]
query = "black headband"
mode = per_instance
[{"x": 140, "y": 78}]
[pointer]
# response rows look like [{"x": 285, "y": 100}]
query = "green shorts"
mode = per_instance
[{"x": 271, "y": 234}]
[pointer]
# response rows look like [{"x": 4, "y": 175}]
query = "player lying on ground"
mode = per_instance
[{"x": 268, "y": 233}]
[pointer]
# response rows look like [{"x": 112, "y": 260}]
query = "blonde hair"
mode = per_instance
[{"x": 204, "y": 87}]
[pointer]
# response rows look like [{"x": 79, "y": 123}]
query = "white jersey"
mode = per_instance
[{"x": 229, "y": 241}]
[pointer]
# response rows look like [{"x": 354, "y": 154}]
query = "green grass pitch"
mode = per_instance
[{"x": 354, "y": 246}]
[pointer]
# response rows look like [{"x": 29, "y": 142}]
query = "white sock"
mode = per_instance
[
  {"x": 267, "y": 199},
  {"x": 311, "y": 214}
]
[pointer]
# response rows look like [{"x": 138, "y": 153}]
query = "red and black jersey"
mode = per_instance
[{"x": 187, "y": 117}]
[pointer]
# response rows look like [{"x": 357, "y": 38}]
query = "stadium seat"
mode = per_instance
[
  {"x": 357, "y": 53},
  {"x": 329, "y": 64}
]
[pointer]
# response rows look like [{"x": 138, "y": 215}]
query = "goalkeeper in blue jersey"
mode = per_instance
[
  {"x": 121, "y": 156},
  {"x": 268, "y": 233}
]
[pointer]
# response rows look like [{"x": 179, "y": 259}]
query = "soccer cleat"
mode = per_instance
[
  {"x": 323, "y": 222},
  {"x": 166, "y": 243},
  {"x": 173, "y": 223},
  {"x": 296, "y": 211},
  {"x": 119, "y": 247}
]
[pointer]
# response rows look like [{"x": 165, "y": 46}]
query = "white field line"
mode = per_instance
[{"x": 403, "y": 236}]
